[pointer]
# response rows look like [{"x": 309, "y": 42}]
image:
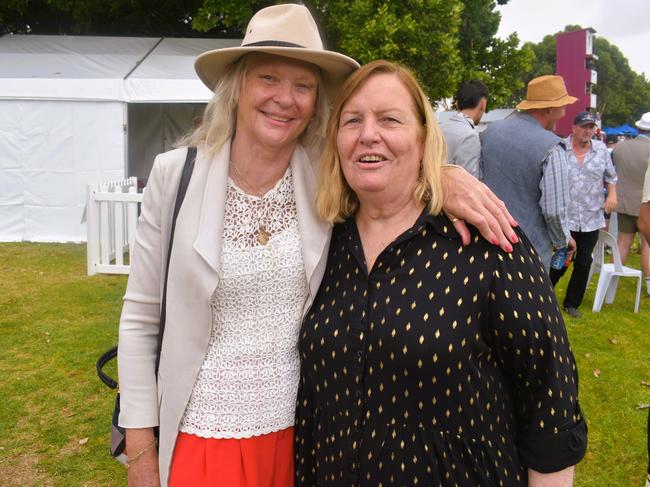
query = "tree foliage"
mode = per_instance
[
  {"x": 226, "y": 15},
  {"x": 155, "y": 18},
  {"x": 500, "y": 64},
  {"x": 623, "y": 95},
  {"x": 421, "y": 34},
  {"x": 443, "y": 41}
]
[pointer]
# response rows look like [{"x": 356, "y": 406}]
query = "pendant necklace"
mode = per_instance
[{"x": 263, "y": 234}]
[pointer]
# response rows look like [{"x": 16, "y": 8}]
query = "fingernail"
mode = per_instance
[
  {"x": 508, "y": 248},
  {"x": 514, "y": 238}
]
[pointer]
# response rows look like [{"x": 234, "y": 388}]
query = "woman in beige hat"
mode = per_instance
[{"x": 248, "y": 255}]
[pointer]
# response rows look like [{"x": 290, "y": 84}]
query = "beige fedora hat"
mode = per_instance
[
  {"x": 546, "y": 91},
  {"x": 287, "y": 30}
]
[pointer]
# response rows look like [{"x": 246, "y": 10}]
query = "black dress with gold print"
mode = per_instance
[{"x": 444, "y": 366}]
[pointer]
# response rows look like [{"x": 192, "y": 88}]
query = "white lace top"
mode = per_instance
[{"x": 248, "y": 383}]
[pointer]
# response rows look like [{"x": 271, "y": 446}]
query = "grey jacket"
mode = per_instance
[
  {"x": 631, "y": 160},
  {"x": 463, "y": 143},
  {"x": 513, "y": 154}
]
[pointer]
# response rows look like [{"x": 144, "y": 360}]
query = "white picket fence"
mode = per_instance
[{"x": 111, "y": 216}]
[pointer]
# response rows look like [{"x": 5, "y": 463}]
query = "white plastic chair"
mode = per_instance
[{"x": 610, "y": 273}]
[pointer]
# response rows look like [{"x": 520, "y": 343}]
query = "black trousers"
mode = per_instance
[{"x": 575, "y": 291}]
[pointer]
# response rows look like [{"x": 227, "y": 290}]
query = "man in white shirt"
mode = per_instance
[
  {"x": 589, "y": 165},
  {"x": 463, "y": 144}
]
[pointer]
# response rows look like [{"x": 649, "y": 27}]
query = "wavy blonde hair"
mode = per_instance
[
  {"x": 220, "y": 117},
  {"x": 335, "y": 200}
]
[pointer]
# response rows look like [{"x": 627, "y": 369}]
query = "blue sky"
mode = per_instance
[{"x": 624, "y": 23}]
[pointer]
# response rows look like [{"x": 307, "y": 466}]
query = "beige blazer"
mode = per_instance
[{"x": 193, "y": 275}]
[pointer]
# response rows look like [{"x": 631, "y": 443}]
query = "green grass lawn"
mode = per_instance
[{"x": 55, "y": 414}]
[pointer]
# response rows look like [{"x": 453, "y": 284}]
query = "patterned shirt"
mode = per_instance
[
  {"x": 586, "y": 189},
  {"x": 555, "y": 195},
  {"x": 444, "y": 365}
]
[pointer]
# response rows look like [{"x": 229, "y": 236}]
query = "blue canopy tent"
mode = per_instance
[{"x": 621, "y": 130}]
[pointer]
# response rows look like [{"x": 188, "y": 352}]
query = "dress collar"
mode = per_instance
[{"x": 440, "y": 223}]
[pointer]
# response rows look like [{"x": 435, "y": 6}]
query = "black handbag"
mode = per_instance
[{"x": 118, "y": 439}]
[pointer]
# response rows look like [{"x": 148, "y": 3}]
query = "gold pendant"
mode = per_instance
[{"x": 263, "y": 235}]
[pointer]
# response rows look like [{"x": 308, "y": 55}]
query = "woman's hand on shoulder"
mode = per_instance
[
  {"x": 142, "y": 453},
  {"x": 468, "y": 199}
]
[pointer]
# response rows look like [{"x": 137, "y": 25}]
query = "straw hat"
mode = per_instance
[
  {"x": 644, "y": 123},
  {"x": 285, "y": 30},
  {"x": 546, "y": 91}
]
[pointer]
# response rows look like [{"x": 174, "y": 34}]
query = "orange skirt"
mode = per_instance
[{"x": 259, "y": 461}]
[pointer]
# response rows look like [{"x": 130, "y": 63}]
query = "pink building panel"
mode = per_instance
[{"x": 574, "y": 59}]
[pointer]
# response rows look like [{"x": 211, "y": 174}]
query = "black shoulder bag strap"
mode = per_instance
[
  {"x": 118, "y": 440},
  {"x": 180, "y": 196}
]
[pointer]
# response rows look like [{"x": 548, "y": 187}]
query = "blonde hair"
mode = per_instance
[
  {"x": 219, "y": 121},
  {"x": 335, "y": 200}
]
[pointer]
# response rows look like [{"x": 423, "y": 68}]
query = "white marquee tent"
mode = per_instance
[{"x": 81, "y": 110}]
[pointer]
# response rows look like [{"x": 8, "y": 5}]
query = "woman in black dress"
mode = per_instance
[{"x": 424, "y": 362}]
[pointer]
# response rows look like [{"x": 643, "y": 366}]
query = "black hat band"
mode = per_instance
[{"x": 273, "y": 44}]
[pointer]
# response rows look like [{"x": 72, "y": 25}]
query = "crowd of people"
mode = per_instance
[
  {"x": 343, "y": 307},
  {"x": 561, "y": 191}
]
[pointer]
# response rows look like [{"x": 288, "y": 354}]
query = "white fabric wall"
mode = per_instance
[
  {"x": 63, "y": 115},
  {"x": 49, "y": 152}
]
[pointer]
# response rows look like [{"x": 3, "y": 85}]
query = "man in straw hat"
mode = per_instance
[
  {"x": 631, "y": 160},
  {"x": 525, "y": 164}
]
